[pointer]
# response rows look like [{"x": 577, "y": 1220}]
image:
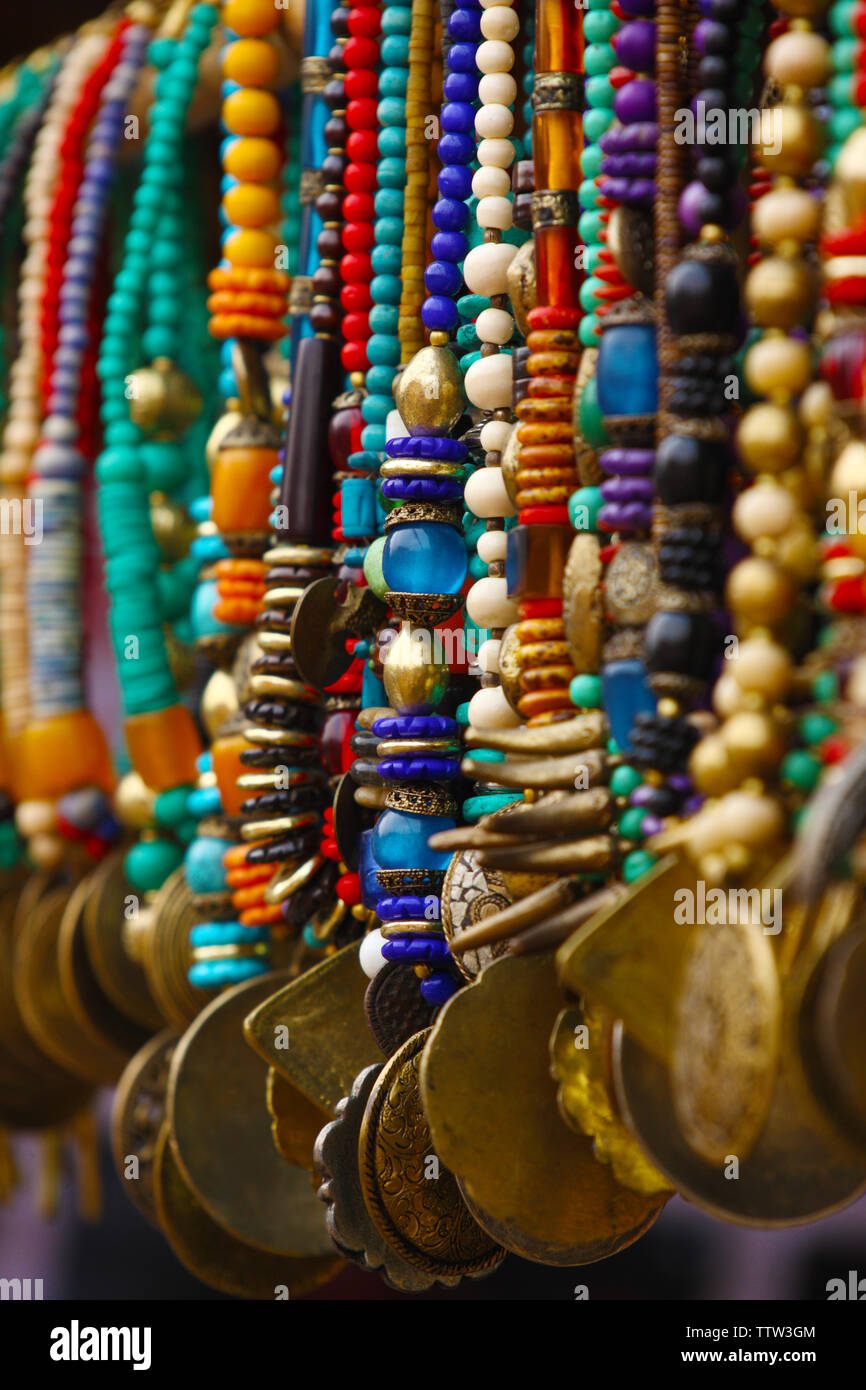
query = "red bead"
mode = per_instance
[
  {"x": 360, "y": 82},
  {"x": 355, "y": 267},
  {"x": 834, "y": 749},
  {"x": 362, "y": 146},
  {"x": 349, "y": 889},
  {"x": 356, "y": 327},
  {"x": 356, "y": 298},
  {"x": 358, "y": 207},
  {"x": 364, "y": 24},
  {"x": 547, "y": 316},
  {"x": 360, "y": 178},
  {"x": 361, "y": 115},
  {"x": 354, "y": 357},
  {"x": 361, "y": 53},
  {"x": 543, "y": 516},
  {"x": 847, "y": 596},
  {"x": 618, "y": 76},
  {"x": 540, "y": 608},
  {"x": 358, "y": 236}
]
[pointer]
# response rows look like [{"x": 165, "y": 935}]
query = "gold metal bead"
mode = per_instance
[
  {"x": 758, "y": 591},
  {"x": 218, "y": 702},
  {"x": 429, "y": 393},
  {"x": 172, "y": 529},
  {"x": 522, "y": 288},
  {"x": 779, "y": 367},
  {"x": 134, "y": 802},
  {"x": 711, "y": 768},
  {"x": 413, "y": 679},
  {"x": 779, "y": 292},
  {"x": 769, "y": 438},
  {"x": 753, "y": 742},
  {"x": 163, "y": 400},
  {"x": 850, "y": 174},
  {"x": 794, "y": 138}
]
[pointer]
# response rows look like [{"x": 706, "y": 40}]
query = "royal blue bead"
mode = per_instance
[
  {"x": 461, "y": 57},
  {"x": 456, "y": 148},
  {"x": 626, "y": 694},
  {"x": 427, "y": 446},
  {"x": 442, "y": 277},
  {"x": 463, "y": 26},
  {"x": 407, "y": 905},
  {"x": 450, "y": 246},
  {"x": 415, "y": 726},
  {"x": 450, "y": 215},
  {"x": 418, "y": 769},
  {"x": 425, "y": 557},
  {"x": 416, "y": 949},
  {"x": 461, "y": 86},
  {"x": 422, "y": 489},
  {"x": 439, "y": 314},
  {"x": 438, "y": 988},
  {"x": 458, "y": 116},
  {"x": 455, "y": 181}
]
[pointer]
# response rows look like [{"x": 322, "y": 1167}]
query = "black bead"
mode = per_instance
[
  {"x": 690, "y": 470},
  {"x": 714, "y": 72},
  {"x": 719, "y": 39},
  {"x": 701, "y": 296},
  {"x": 685, "y": 643}
]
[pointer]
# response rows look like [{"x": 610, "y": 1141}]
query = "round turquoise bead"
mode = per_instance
[{"x": 585, "y": 691}]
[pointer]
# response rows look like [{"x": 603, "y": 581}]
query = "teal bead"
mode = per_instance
[
  {"x": 474, "y": 807},
  {"x": 840, "y": 89},
  {"x": 488, "y": 755},
  {"x": 588, "y": 293},
  {"x": 158, "y": 342},
  {"x": 469, "y": 306},
  {"x": 844, "y": 123},
  {"x": 380, "y": 378},
  {"x": 149, "y": 863},
  {"x": 841, "y": 19},
  {"x": 391, "y": 111},
  {"x": 395, "y": 53},
  {"x": 123, "y": 432},
  {"x": 373, "y": 438},
  {"x": 383, "y": 350},
  {"x": 388, "y": 202},
  {"x": 598, "y": 58},
  {"x": 477, "y": 568},
  {"x": 843, "y": 55},
  {"x": 389, "y": 230},
  {"x": 816, "y": 727},
  {"x": 121, "y": 464},
  {"x": 391, "y": 173},
  {"x": 386, "y": 260},
  {"x": 630, "y": 823},
  {"x": 584, "y": 506},
  {"x": 585, "y": 691},
  {"x": 624, "y": 780},
  {"x": 376, "y": 409},
  {"x": 596, "y": 122},
  {"x": 590, "y": 161},
  {"x": 636, "y": 864},
  {"x": 467, "y": 361},
  {"x": 825, "y": 686},
  {"x": 396, "y": 19},
  {"x": 466, "y": 336},
  {"x": 393, "y": 82},
  {"x": 599, "y": 26},
  {"x": 588, "y": 193},
  {"x": 386, "y": 289},
  {"x": 590, "y": 227},
  {"x": 801, "y": 769},
  {"x": 384, "y": 318},
  {"x": 170, "y": 807},
  {"x": 600, "y": 93},
  {"x": 592, "y": 259}
]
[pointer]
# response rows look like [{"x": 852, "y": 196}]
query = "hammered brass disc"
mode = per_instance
[
  {"x": 221, "y": 1134},
  {"x": 726, "y": 1039},
  {"x": 491, "y": 1104},
  {"x": 94, "y": 1012},
  {"x": 417, "y": 1211},
  {"x": 43, "y": 1004},
  {"x": 122, "y": 979},
  {"x": 469, "y": 894},
  {"x": 295, "y": 1120},
  {"x": 137, "y": 1115},
  {"x": 167, "y": 954},
  {"x": 221, "y": 1261},
  {"x": 799, "y": 1169},
  {"x": 583, "y": 610}
]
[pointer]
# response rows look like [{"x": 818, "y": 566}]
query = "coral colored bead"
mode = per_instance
[
  {"x": 53, "y": 756},
  {"x": 251, "y": 63},
  {"x": 541, "y": 516},
  {"x": 250, "y": 247},
  {"x": 251, "y": 205},
  {"x": 541, "y": 608},
  {"x": 163, "y": 746},
  {"x": 250, "y": 18},
  {"x": 253, "y": 159},
  {"x": 251, "y": 112},
  {"x": 548, "y": 316}
]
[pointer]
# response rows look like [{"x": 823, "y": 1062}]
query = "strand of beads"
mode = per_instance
[
  {"x": 21, "y": 432},
  {"x": 161, "y": 737}
]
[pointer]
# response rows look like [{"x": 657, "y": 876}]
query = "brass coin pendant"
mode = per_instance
[
  {"x": 490, "y": 1100},
  {"x": 137, "y": 1115},
  {"x": 166, "y": 954},
  {"x": 221, "y": 1132},
  {"x": 295, "y": 1120},
  {"x": 122, "y": 978},
  {"x": 411, "y": 1197},
  {"x": 95, "y": 1013},
  {"x": 726, "y": 1039},
  {"x": 469, "y": 894},
  {"x": 219, "y": 1259}
]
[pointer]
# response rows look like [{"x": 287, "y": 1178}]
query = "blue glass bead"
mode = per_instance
[
  {"x": 438, "y": 314},
  {"x": 463, "y": 26},
  {"x": 215, "y": 974},
  {"x": 367, "y": 867},
  {"x": 626, "y": 694},
  {"x": 416, "y": 949},
  {"x": 443, "y": 277},
  {"x": 456, "y": 148},
  {"x": 427, "y": 447},
  {"x": 422, "y": 489},
  {"x": 406, "y": 906},
  {"x": 461, "y": 57},
  {"x": 438, "y": 988},
  {"x": 458, "y": 116},
  {"x": 400, "y": 840},
  {"x": 424, "y": 557},
  {"x": 455, "y": 181},
  {"x": 449, "y": 246},
  {"x": 225, "y": 934},
  {"x": 461, "y": 86},
  {"x": 450, "y": 215},
  {"x": 414, "y": 726},
  {"x": 627, "y": 370},
  {"x": 358, "y": 508}
]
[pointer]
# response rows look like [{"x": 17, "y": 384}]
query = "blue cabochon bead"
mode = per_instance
[
  {"x": 626, "y": 694},
  {"x": 400, "y": 840},
  {"x": 438, "y": 988},
  {"x": 627, "y": 371}
]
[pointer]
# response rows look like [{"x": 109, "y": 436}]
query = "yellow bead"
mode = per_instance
[
  {"x": 769, "y": 438},
  {"x": 251, "y": 112},
  {"x": 758, "y": 591},
  {"x": 250, "y": 18},
  {"x": 778, "y": 366},
  {"x": 779, "y": 292},
  {"x": 753, "y": 742},
  {"x": 251, "y": 205},
  {"x": 253, "y": 160},
  {"x": 251, "y": 63},
  {"x": 791, "y": 140},
  {"x": 249, "y": 247}
]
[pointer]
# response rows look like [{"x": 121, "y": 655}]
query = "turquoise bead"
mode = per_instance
[
  {"x": 584, "y": 506},
  {"x": 386, "y": 260},
  {"x": 387, "y": 289},
  {"x": 400, "y": 840},
  {"x": 170, "y": 807},
  {"x": 600, "y": 25},
  {"x": 391, "y": 173},
  {"x": 389, "y": 230},
  {"x": 636, "y": 864},
  {"x": 600, "y": 93},
  {"x": 380, "y": 379},
  {"x": 590, "y": 161},
  {"x": 474, "y": 807},
  {"x": 393, "y": 81},
  {"x": 391, "y": 111},
  {"x": 590, "y": 227},
  {"x": 596, "y": 122},
  {"x": 396, "y": 20},
  {"x": 383, "y": 319},
  {"x": 149, "y": 863},
  {"x": 627, "y": 371},
  {"x": 585, "y": 691},
  {"x": 624, "y": 780},
  {"x": 383, "y": 350},
  {"x": 598, "y": 58}
]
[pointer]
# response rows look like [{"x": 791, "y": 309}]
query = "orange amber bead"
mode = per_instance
[
  {"x": 163, "y": 746},
  {"x": 227, "y": 767},
  {"x": 251, "y": 205},
  {"x": 251, "y": 63},
  {"x": 250, "y": 248},
  {"x": 250, "y": 18},
  {"x": 251, "y": 112},
  {"x": 53, "y": 756},
  {"x": 253, "y": 159},
  {"x": 241, "y": 489}
]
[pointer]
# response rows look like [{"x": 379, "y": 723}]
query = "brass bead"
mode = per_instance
[
  {"x": 794, "y": 142},
  {"x": 172, "y": 529},
  {"x": 711, "y": 768},
  {"x": 520, "y": 278},
  {"x": 779, "y": 292},
  {"x": 753, "y": 742},
  {"x": 758, "y": 591},
  {"x": 850, "y": 174},
  {"x": 218, "y": 702},
  {"x": 429, "y": 392},
  {"x": 413, "y": 680},
  {"x": 769, "y": 438},
  {"x": 163, "y": 400},
  {"x": 778, "y": 366},
  {"x": 797, "y": 552},
  {"x": 134, "y": 802}
]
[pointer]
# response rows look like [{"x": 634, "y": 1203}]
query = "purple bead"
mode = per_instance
[
  {"x": 693, "y": 805},
  {"x": 625, "y": 516},
  {"x": 630, "y": 166},
  {"x": 641, "y": 193},
  {"x": 680, "y": 782},
  {"x": 631, "y": 463},
  {"x": 627, "y": 489},
  {"x": 639, "y": 135},
  {"x": 651, "y": 825},
  {"x": 636, "y": 102},
  {"x": 634, "y": 45}
]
